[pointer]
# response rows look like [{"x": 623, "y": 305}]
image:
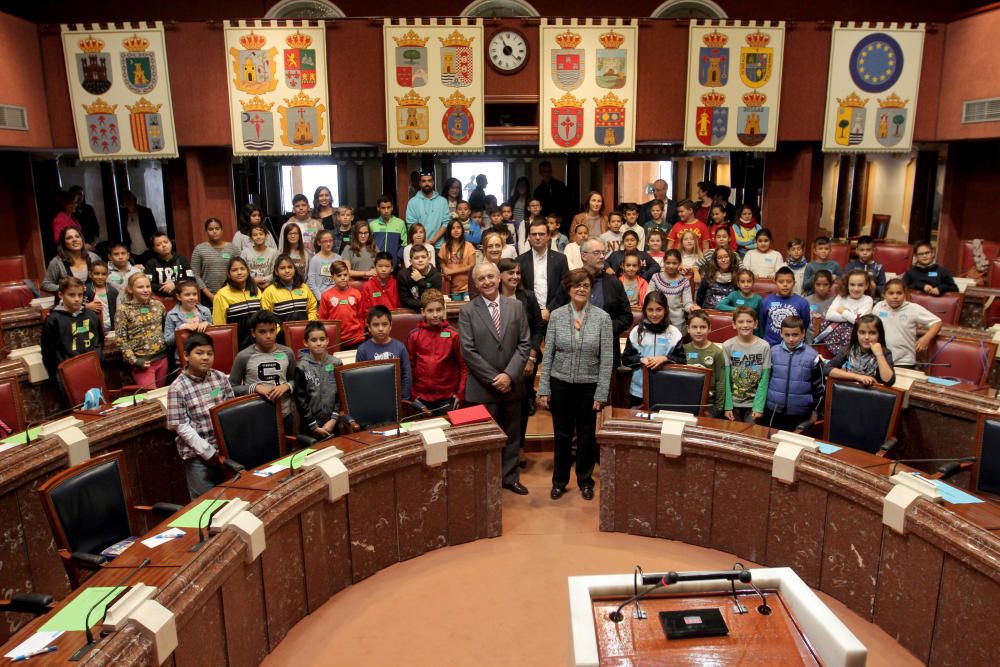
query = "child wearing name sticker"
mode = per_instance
[
  {"x": 190, "y": 398},
  {"x": 926, "y": 275},
  {"x": 265, "y": 368},
  {"x": 381, "y": 289},
  {"x": 288, "y": 296},
  {"x": 675, "y": 287},
  {"x": 435, "y": 357},
  {"x": 237, "y": 300},
  {"x": 819, "y": 301},
  {"x": 260, "y": 257},
  {"x": 120, "y": 266},
  {"x": 866, "y": 360},
  {"x": 703, "y": 352},
  {"x": 900, "y": 319},
  {"x": 382, "y": 346},
  {"x": 210, "y": 259},
  {"x": 343, "y": 302},
  {"x": 318, "y": 276},
  {"x": 70, "y": 329},
  {"x": 139, "y": 332},
  {"x": 748, "y": 369},
  {"x": 652, "y": 343},
  {"x": 797, "y": 388},
  {"x": 187, "y": 315},
  {"x": 316, "y": 385},
  {"x": 101, "y": 297}
]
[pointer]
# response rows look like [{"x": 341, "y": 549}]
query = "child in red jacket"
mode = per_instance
[
  {"x": 343, "y": 303},
  {"x": 380, "y": 290},
  {"x": 435, "y": 357}
]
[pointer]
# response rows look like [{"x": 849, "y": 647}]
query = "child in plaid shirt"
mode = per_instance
[{"x": 191, "y": 396}]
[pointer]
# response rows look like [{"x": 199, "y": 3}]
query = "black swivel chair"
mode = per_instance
[
  {"x": 364, "y": 399},
  {"x": 678, "y": 388},
  {"x": 89, "y": 509},
  {"x": 986, "y": 468},
  {"x": 249, "y": 430},
  {"x": 862, "y": 417}
]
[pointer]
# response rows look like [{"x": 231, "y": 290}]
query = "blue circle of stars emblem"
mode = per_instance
[{"x": 876, "y": 63}]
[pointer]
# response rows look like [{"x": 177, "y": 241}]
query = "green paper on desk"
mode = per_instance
[
  {"x": 190, "y": 518},
  {"x": 298, "y": 456},
  {"x": 72, "y": 617},
  {"x": 129, "y": 400},
  {"x": 19, "y": 438}
]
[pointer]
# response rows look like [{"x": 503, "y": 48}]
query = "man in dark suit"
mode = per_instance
[
  {"x": 544, "y": 284},
  {"x": 554, "y": 196},
  {"x": 660, "y": 195},
  {"x": 137, "y": 228},
  {"x": 493, "y": 330}
]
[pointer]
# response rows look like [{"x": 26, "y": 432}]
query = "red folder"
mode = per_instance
[{"x": 471, "y": 415}]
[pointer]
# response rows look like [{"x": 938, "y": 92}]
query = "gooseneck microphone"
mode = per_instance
[
  {"x": 238, "y": 469},
  {"x": 657, "y": 581},
  {"x": 953, "y": 459},
  {"x": 82, "y": 651}
]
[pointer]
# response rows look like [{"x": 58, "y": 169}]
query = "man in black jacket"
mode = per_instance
[
  {"x": 546, "y": 285},
  {"x": 137, "y": 228}
]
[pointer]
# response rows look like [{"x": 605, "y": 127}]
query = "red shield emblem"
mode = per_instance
[{"x": 567, "y": 126}]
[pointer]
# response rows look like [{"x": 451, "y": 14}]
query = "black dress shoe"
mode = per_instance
[
  {"x": 517, "y": 488},
  {"x": 557, "y": 492},
  {"x": 531, "y": 407},
  {"x": 587, "y": 492}
]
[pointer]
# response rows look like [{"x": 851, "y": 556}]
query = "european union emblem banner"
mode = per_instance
[
  {"x": 434, "y": 86},
  {"x": 871, "y": 95},
  {"x": 278, "y": 101},
  {"x": 588, "y": 74},
  {"x": 733, "y": 86},
  {"x": 119, "y": 91}
]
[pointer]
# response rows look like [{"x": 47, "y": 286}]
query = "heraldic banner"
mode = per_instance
[
  {"x": 871, "y": 95},
  {"x": 434, "y": 86},
  {"x": 588, "y": 76},
  {"x": 732, "y": 105},
  {"x": 278, "y": 101},
  {"x": 119, "y": 91}
]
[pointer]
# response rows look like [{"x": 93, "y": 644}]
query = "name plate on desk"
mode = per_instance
[{"x": 693, "y": 623}]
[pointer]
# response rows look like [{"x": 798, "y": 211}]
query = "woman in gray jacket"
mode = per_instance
[{"x": 576, "y": 379}]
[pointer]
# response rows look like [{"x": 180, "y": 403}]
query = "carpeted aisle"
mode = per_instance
[{"x": 502, "y": 602}]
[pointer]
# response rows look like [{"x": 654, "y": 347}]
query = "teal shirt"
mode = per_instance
[
  {"x": 431, "y": 212},
  {"x": 735, "y": 299}
]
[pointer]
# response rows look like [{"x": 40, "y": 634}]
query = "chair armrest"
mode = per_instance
[
  {"x": 950, "y": 469},
  {"x": 28, "y": 603},
  {"x": 166, "y": 509},
  {"x": 807, "y": 424},
  {"x": 87, "y": 561},
  {"x": 886, "y": 446},
  {"x": 352, "y": 425}
]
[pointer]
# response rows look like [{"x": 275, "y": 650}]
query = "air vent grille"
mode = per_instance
[
  {"x": 981, "y": 111},
  {"x": 13, "y": 118}
]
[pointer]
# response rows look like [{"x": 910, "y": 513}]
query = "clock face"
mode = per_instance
[{"x": 508, "y": 51}]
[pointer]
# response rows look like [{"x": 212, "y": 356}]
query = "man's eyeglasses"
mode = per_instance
[{"x": 595, "y": 253}]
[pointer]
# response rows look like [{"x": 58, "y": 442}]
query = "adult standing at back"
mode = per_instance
[
  {"x": 429, "y": 209},
  {"x": 659, "y": 195},
  {"x": 554, "y": 196},
  {"x": 138, "y": 227},
  {"x": 542, "y": 269},
  {"x": 495, "y": 345},
  {"x": 477, "y": 198}
]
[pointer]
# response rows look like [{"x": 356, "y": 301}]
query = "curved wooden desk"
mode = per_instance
[{"x": 931, "y": 588}]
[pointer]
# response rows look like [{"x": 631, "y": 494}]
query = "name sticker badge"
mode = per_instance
[
  {"x": 297, "y": 292},
  {"x": 329, "y": 367},
  {"x": 227, "y": 255},
  {"x": 445, "y": 334},
  {"x": 144, "y": 310},
  {"x": 692, "y": 355},
  {"x": 344, "y": 302},
  {"x": 215, "y": 392},
  {"x": 932, "y": 274},
  {"x": 376, "y": 295},
  {"x": 740, "y": 302},
  {"x": 279, "y": 355},
  {"x": 884, "y": 313},
  {"x": 190, "y": 315},
  {"x": 737, "y": 354}
]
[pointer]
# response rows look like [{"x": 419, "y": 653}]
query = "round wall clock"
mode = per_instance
[{"x": 508, "y": 51}]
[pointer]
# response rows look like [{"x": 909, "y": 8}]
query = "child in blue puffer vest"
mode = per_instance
[{"x": 796, "y": 389}]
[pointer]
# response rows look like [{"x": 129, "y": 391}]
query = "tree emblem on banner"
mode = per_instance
[
  {"x": 411, "y": 60},
  {"x": 891, "y": 120}
]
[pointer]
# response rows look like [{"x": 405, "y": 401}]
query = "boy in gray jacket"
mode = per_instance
[{"x": 316, "y": 385}]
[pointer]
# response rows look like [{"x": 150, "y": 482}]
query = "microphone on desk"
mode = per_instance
[
  {"x": 31, "y": 425},
  {"x": 82, "y": 651},
  {"x": 291, "y": 464},
  {"x": 763, "y": 609},
  {"x": 657, "y": 581},
  {"x": 953, "y": 459},
  {"x": 927, "y": 364},
  {"x": 202, "y": 538},
  {"x": 666, "y": 406},
  {"x": 151, "y": 386}
]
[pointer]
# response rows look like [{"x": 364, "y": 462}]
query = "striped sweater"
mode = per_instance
[
  {"x": 289, "y": 303},
  {"x": 235, "y": 307}
]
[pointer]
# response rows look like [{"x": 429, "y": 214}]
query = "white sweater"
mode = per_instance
[
  {"x": 763, "y": 264},
  {"x": 855, "y": 308}
]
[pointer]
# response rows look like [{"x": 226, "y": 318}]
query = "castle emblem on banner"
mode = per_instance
[
  {"x": 850, "y": 129},
  {"x": 568, "y": 64},
  {"x": 412, "y": 119},
  {"x": 147, "y": 126},
  {"x": 138, "y": 65},
  {"x": 891, "y": 120},
  {"x": 102, "y": 127},
  {"x": 566, "y": 121},
  {"x": 756, "y": 60},
  {"x": 611, "y": 61},
  {"x": 713, "y": 60},
  {"x": 457, "y": 124},
  {"x": 751, "y": 120},
  {"x": 456, "y": 60},
  {"x": 609, "y": 120},
  {"x": 712, "y": 119},
  {"x": 304, "y": 117},
  {"x": 254, "y": 67},
  {"x": 93, "y": 66},
  {"x": 300, "y": 62},
  {"x": 411, "y": 60},
  {"x": 257, "y": 124}
]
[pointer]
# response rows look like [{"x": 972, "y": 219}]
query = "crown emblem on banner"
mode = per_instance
[
  {"x": 568, "y": 39},
  {"x": 852, "y": 100},
  {"x": 144, "y": 106},
  {"x": 302, "y": 100},
  {"x": 754, "y": 99},
  {"x": 567, "y": 100},
  {"x": 91, "y": 45},
  {"x": 135, "y": 44},
  {"x": 253, "y": 41},
  {"x": 715, "y": 40},
  {"x": 457, "y": 99},
  {"x": 412, "y": 99},
  {"x": 713, "y": 99},
  {"x": 893, "y": 102},
  {"x": 456, "y": 39},
  {"x": 758, "y": 40},
  {"x": 610, "y": 100},
  {"x": 411, "y": 39},
  {"x": 99, "y": 106},
  {"x": 612, "y": 39},
  {"x": 298, "y": 41},
  {"x": 255, "y": 103}
]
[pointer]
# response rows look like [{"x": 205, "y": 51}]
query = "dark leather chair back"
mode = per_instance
[
  {"x": 969, "y": 360},
  {"x": 87, "y": 506},
  {"x": 403, "y": 322},
  {"x": 11, "y": 407},
  {"x": 223, "y": 339},
  {"x": 80, "y": 374},
  {"x": 362, "y": 388},
  {"x": 764, "y": 287},
  {"x": 249, "y": 430},
  {"x": 948, "y": 306},
  {"x": 722, "y": 326},
  {"x": 860, "y": 417},
  {"x": 986, "y": 469},
  {"x": 677, "y": 388},
  {"x": 15, "y": 295},
  {"x": 13, "y": 268},
  {"x": 295, "y": 335},
  {"x": 840, "y": 253},
  {"x": 895, "y": 257}
]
